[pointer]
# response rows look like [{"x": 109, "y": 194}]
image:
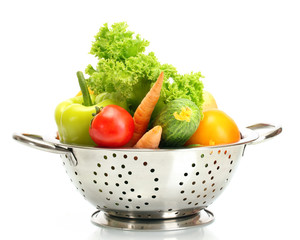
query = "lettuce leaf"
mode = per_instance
[
  {"x": 117, "y": 43},
  {"x": 125, "y": 69}
]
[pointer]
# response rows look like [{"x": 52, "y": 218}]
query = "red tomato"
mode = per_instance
[
  {"x": 112, "y": 127},
  {"x": 215, "y": 128}
]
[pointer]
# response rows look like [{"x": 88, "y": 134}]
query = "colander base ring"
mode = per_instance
[{"x": 201, "y": 218}]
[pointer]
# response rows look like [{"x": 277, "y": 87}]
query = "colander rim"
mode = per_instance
[{"x": 247, "y": 136}]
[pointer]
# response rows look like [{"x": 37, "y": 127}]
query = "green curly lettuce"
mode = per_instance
[
  {"x": 117, "y": 43},
  {"x": 125, "y": 70}
]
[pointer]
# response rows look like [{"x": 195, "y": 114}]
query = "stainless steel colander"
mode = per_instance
[{"x": 151, "y": 189}]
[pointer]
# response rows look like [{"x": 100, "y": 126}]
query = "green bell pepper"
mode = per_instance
[{"x": 73, "y": 116}]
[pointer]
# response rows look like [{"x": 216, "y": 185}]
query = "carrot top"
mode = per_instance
[{"x": 144, "y": 111}]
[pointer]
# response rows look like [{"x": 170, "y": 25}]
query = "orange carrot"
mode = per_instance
[
  {"x": 150, "y": 139},
  {"x": 143, "y": 112}
]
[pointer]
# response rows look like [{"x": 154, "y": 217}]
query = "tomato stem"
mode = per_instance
[
  {"x": 84, "y": 89},
  {"x": 98, "y": 110}
]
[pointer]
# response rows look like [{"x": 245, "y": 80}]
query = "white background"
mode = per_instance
[{"x": 249, "y": 52}]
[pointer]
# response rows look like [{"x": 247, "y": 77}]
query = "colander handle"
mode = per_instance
[
  {"x": 265, "y": 135},
  {"x": 38, "y": 142}
]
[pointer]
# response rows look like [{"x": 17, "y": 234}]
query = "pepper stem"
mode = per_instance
[{"x": 84, "y": 89}]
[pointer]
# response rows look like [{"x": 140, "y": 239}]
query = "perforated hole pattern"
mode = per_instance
[{"x": 152, "y": 184}]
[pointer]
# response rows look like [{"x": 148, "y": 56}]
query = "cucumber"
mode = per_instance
[{"x": 179, "y": 120}]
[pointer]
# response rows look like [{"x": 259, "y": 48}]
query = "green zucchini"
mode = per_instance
[{"x": 179, "y": 120}]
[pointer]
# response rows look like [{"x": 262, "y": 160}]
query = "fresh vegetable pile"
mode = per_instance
[{"x": 130, "y": 99}]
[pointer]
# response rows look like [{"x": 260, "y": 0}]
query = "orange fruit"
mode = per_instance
[{"x": 216, "y": 128}]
